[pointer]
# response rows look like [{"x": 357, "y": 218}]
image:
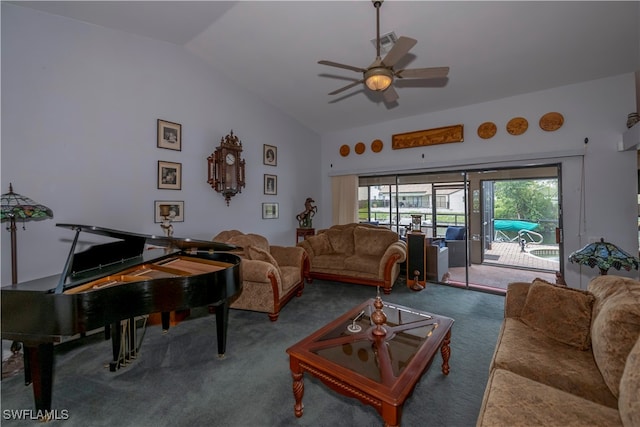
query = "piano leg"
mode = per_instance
[
  {"x": 133, "y": 349},
  {"x": 165, "y": 317},
  {"x": 27, "y": 367},
  {"x": 41, "y": 368},
  {"x": 222, "y": 318},
  {"x": 116, "y": 336}
]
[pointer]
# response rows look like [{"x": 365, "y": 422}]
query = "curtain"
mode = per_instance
[{"x": 344, "y": 190}]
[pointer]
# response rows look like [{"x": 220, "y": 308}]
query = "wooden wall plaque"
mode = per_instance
[{"x": 443, "y": 135}]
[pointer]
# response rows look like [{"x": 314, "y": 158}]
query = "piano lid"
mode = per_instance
[
  {"x": 128, "y": 248},
  {"x": 184, "y": 244}
]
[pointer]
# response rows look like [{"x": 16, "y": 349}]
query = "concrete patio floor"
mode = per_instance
[{"x": 505, "y": 263}]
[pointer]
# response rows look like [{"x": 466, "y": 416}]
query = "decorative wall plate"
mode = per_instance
[
  {"x": 487, "y": 130},
  {"x": 517, "y": 126},
  {"x": 344, "y": 150},
  {"x": 551, "y": 121},
  {"x": 359, "y": 149},
  {"x": 376, "y": 146}
]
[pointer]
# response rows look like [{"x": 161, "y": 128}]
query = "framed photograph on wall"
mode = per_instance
[
  {"x": 270, "y": 155},
  {"x": 169, "y": 135},
  {"x": 270, "y": 184},
  {"x": 175, "y": 209},
  {"x": 269, "y": 211},
  {"x": 169, "y": 175}
]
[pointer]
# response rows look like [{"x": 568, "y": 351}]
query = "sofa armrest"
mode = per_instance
[
  {"x": 396, "y": 253},
  {"x": 306, "y": 246},
  {"x": 254, "y": 270},
  {"x": 516, "y": 296},
  {"x": 291, "y": 256}
]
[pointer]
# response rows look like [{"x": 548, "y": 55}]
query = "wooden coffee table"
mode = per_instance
[{"x": 379, "y": 361}]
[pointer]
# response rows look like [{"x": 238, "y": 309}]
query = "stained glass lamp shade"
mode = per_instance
[
  {"x": 604, "y": 255},
  {"x": 14, "y": 206}
]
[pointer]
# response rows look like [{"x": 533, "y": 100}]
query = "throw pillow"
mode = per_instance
[
  {"x": 561, "y": 313},
  {"x": 341, "y": 240},
  {"x": 258, "y": 254},
  {"x": 615, "y": 329},
  {"x": 320, "y": 244},
  {"x": 373, "y": 241}
]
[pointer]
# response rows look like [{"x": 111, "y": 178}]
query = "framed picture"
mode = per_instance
[
  {"x": 174, "y": 209},
  {"x": 270, "y": 155},
  {"x": 270, "y": 184},
  {"x": 169, "y": 175},
  {"x": 269, "y": 210},
  {"x": 169, "y": 135}
]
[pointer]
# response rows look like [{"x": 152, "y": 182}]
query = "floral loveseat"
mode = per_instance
[
  {"x": 271, "y": 275},
  {"x": 356, "y": 253},
  {"x": 567, "y": 357}
]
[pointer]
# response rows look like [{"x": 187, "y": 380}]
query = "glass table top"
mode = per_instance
[{"x": 351, "y": 342}]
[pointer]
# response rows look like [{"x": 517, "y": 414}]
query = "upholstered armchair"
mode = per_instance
[
  {"x": 455, "y": 239},
  {"x": 271, "y": 275}
]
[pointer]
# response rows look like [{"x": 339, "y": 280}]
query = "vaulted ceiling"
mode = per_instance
[{"x": 494, "y": 49}]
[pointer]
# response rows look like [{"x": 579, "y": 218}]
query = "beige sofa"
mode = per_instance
[
  {"x": 271, "y": 275},
  {"x": 356, "y": 253},
  {"x": 567, "y": 357}
]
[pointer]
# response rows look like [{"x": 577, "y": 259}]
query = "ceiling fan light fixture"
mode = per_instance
[{"x": 378, "y": 79}]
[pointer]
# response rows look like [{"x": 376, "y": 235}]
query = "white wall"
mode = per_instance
[
  {"x": 596, "y": 110},
  {"x": 79, "y": 110}
]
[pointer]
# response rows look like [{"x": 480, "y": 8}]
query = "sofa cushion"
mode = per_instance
[
  {"x": 561, "y": 313},
  {"x": 629, "y": 403},
  {"x": 616, "y": 326},
  {"x": 534, "y": 355},
  {"x": 363, "y": 263},
  {"x": 513, "y": 400},
  {"x": 259, "y": 254},
  {"x": 290, "y": 276},
  {"x": 373, "y": 241},
  {"x": 328, "y": 262},
  {"x": 341, "y": 240},
  {"x": 320, "y": 244}
]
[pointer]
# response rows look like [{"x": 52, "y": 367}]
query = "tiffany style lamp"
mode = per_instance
[{"x": 604, "y": 255}]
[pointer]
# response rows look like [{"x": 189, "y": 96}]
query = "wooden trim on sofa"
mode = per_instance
[
  {"x": 296, "y": 290},
  {"x": 388, "y": 268}
]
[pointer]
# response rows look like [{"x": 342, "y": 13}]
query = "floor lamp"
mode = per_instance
[{"x": 14, "y": 206}]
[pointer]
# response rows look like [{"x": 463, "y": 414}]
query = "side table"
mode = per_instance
[{"x": 304, "y": 232}]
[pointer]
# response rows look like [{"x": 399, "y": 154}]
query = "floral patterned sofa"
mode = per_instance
[
  {"x": 356, "y": 253},
  {"x": 271, "y": 275},
  {"x": 567, "y": 357}
]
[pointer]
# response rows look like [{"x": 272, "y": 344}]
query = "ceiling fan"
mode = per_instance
[{"x": 379, "y": 75}]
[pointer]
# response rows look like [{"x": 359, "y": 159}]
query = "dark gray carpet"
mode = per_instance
[{"x": 178, "y": 380}]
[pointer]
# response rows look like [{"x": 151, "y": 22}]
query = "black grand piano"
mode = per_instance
[{"x": 127, "y": 276}]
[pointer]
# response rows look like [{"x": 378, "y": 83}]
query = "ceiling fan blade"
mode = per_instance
[
  {"x": 349, "y": 86},
  {"x": 423, "y": 73},
  {"x": 401, "y": 48},
  {"x": 390, "y": 95},
  {"x": 347, "y": 67}
]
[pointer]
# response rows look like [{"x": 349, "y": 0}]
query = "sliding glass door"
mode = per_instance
[{"x": 495, "y": 226}]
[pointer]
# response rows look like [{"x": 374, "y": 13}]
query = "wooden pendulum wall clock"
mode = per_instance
[{"x": 226, "y": 168}]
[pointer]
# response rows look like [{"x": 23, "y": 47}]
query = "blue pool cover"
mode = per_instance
[{"x": 513, "y": 225}]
